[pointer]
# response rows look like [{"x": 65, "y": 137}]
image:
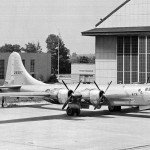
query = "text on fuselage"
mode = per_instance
[{"x": 18, "y": 72}]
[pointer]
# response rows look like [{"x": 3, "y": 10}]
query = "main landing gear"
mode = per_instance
[
  {"x": 3, "y": 101},
  {"x": 72, "y": 111},
  {"x": 114, "y": 108},
  {"x": 73, "y": 108}
]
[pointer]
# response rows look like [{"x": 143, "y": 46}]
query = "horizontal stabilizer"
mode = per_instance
[
  {"x": 25, "y": 94},
  {"x": 144, "y": 107}
]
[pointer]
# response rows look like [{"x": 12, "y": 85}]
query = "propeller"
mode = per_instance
[
  {"x": 69, "y": 93},
  {"x": 101, "y": 94},
  {"x": 65, "y": 85}
]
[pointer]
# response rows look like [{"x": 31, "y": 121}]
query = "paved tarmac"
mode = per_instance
[{"x": 47, "y": 127}]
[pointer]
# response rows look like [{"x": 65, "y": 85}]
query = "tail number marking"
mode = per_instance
[{"x": 18, "y": 72}]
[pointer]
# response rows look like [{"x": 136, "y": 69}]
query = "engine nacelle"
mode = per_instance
[
  {"x": 62, "y": 96},
  {"x": 94, "y": 96},
  {"x": 86, "y": 94},
  {"x": 54, "y": 94}
]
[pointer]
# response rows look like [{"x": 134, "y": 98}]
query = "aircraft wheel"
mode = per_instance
[{"x": 70, "y": 111}]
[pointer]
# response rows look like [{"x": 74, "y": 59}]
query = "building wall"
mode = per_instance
[
  {"x": 134, "y": 13},
  {"x": 123, "y": 56},
  {"x": 42, "y": 64},
  {"x": 84, "y": 72},
  {"x": 106, "y": 61}
]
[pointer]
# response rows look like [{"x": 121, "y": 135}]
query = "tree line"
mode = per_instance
[
  {"x": 89, "y": 59},
  {"x": 54, "y": 45},
  {"x": 29, "y": 48}
]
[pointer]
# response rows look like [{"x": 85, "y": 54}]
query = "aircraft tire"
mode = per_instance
[{"x": 70, "y": 111}]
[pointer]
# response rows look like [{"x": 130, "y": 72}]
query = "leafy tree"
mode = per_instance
[
  {"x": 84, "y": 59},
  {"x": 32, "y": 48},
  {"x": 52, "y": 79},
  {"x": 75, "y": 58},
  {"x": 10, "y": 48},
  {"x": 92, "y": 60},
  {"x": 55, "y": 43}
]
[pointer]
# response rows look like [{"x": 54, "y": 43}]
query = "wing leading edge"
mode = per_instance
[
  {"x": 25, "y": 94},
  {"x": 10, "y": 87}
]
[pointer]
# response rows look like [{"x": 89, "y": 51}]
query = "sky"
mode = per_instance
[{"x": 23, "y": 21}]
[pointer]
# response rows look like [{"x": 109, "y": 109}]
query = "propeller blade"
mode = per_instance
[
  {"x": 65, "y": 104},
  {"x": 65, "y": 85},
  {"x": 67, "y": 101},
  {"x": 97, "y": 85},
  {"x": 78, "y": 85},
  {"x": 108, "y": 86},
  {"x": 98, "y": 102},
  {"x": 102, "y": 94}
]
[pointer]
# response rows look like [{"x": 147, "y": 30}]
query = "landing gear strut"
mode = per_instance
[{"x": 3, "y": 101}]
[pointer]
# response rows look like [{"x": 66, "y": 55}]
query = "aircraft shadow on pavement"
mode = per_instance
[
  {"x": 40, "y": 118},
  {"x": 103, "y": 114},
  {"x": 84, "y": 113},
  {"x": 39, "y": 106},
  {"x": 128, "y": 112},
  {"x": 132, "y": 112}
]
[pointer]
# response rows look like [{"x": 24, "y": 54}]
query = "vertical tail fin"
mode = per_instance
[{"x": 16, "y": 73}]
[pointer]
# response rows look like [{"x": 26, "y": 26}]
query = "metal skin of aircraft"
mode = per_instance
[{"x": 19, "y": 83}]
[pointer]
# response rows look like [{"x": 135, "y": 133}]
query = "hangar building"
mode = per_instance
[
  {"x": 33, "y": 62},
  {"x": 123, "y": 44}
]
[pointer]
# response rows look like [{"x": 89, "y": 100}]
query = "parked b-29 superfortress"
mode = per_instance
[{"x": 19, "y": 83}]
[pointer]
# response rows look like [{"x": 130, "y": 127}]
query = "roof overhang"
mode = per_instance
[{"x": 118, "y": 31}]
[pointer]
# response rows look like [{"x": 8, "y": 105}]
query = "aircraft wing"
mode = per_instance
[
  {"x": 25, "y": 94},
  {"x": 10, "y": 86}
]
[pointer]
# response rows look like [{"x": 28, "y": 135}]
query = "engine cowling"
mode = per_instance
[
  {"x": 86, "y": 94},
  {"x": 54, "y": 93},
  {"x": 94, "y": 96},
  {"x": 62, "y": 96}
]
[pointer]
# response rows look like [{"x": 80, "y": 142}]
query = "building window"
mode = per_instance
[
  {"x": 1, "y": 69},
  {"x": 148, "y": 58},
  {"x": 127, "y": 59},
  {"x": 120, "y": 60},
  {"x": 32, "y": 65},
  {"x": 133, "y": 59},
  {"x": 142, "y": 59},
  {"x": 142, "y": 44}
]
